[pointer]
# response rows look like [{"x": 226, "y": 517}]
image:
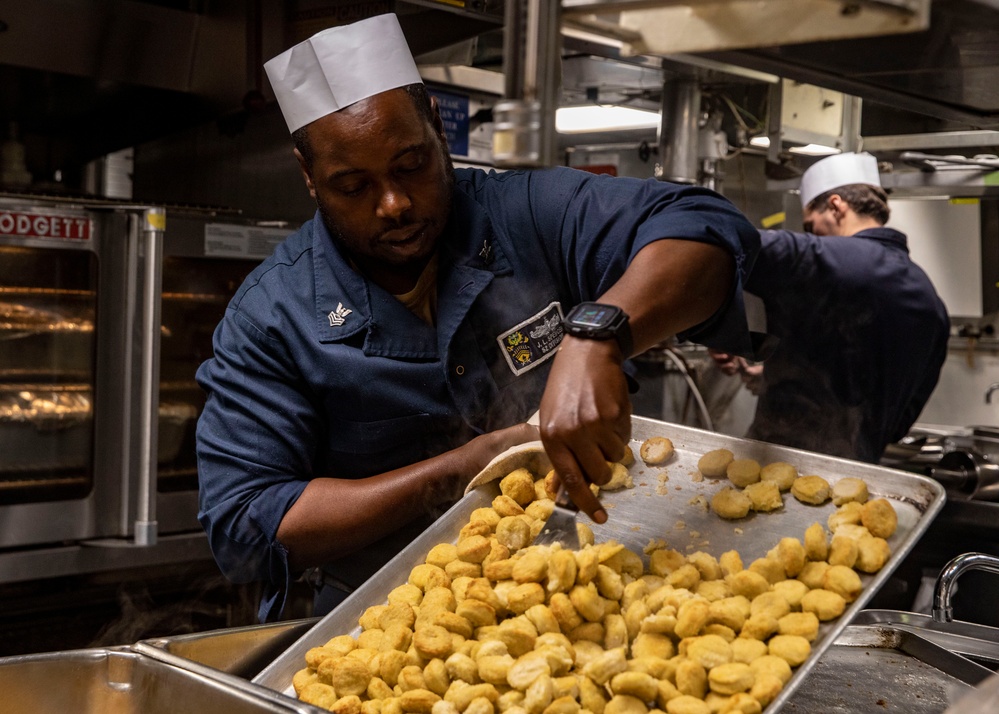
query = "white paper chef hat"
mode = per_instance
[
  {"x": 339, "y": 66},
  {"x": 839, "y": 170}
]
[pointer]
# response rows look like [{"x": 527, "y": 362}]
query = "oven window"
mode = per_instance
[
  {"x": 196, "y": 292},
  {"x": 47, "y": 359}
]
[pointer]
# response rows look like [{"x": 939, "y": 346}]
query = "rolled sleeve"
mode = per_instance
[
  {"x": 254, "y": 448},
  {"x": 603, "y": 222}
]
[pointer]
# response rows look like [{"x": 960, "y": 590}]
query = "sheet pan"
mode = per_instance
[{"x": 669, "y": 503}]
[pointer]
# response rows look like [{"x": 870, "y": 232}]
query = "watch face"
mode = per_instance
[{"x": 596, "y": 316}]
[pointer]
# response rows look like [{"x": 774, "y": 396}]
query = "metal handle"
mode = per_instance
[
  {"x": 146, "y": 527},
  {"x": 942, "y": 609}
]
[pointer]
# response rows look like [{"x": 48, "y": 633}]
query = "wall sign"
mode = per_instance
[{"x": 454, "y": 114}]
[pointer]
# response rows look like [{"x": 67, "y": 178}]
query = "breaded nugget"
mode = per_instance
[
  {"x": 848, "y": 490},
  {"x": 620, "y": 478},
  {"x": 687, "y": 704},
  {"x": 664, "y": 561},
  {"x": 811, "y": 575},
  {"x": 628, "y": 458},
  {"x": 872, "y": 554},
  {"x": 748, "y": 583},
  {"x": 803, "y": 624},
  {"x": 792, "y": 591},
  {"x": 764, "y": 496},
  {"x": 770, "y": 568},
  {"x": 707, "y": 565},
  {"x": 813, "y": 490},
  {"x": 826, "y": 604},
  {"x": 742, "y": 472},
  {"x": 692, "y": 618},
  {"x": 712, "y": 590},
  {"x": 847, "y": 514},
  {"x": 540, "y": 509},
  {"x": 731, "y": 504},
  {"x": 319, "y": 694},
  {"x": 513, "y": 532},
  {"x": 346, "y": 675},
  {"x": 879, "y": 517},
  {"x": 816, "y": 542},
  {"x": 791, "y": 554},
  {"x": 794, "y": 649},
  {"x": 691, "y": 678},
  {"x": 640, "y": 685},
  {"x": 780, "y": 473},
  {"x": 518, "y": 485},
  {"x": 747, "y": 649},
  {"x": 843, "y": 581},
  {"x": 473, "y": 549},
  {"x": 649, "y": 644},
  {"x": 843, "y": 550},
  {"x": 759, "y": 626},
  {"x": 730, "y": 612},
  {"x": 730, "y": 562},
  {"x": 772, "y": 665},
  {"x": 656, "y": 450},
  {"x": 731, "y": 678},
  {"x": 709, "y": 650},
  {"x": 506, "y": 506},
  {"x": 766, "y": 688},
  {"x": 428, "y": 576},
  {"x": 714, "y": 463},
  {"x": 769, "y": 603},
  {"x": 685, "y": 577},
  {"x": 562, "y": 571},
  {"x": 442, "y": 554}
]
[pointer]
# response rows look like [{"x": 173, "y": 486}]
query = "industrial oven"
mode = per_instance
[{"x": 106, "y": 310}]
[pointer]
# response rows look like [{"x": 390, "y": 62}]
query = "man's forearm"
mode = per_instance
[
  {"x": 335, "y": 517},
  {"x": 670, "y": 286}
]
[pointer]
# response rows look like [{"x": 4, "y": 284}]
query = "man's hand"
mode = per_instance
[
  {"x": 586, "y": 417},
  {"x": 751, "y": 374}
]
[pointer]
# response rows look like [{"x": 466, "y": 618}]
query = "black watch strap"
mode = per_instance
[{"x": 598, "y": 321}]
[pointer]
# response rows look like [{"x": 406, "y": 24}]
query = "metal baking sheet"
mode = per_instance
[
  {"x": 881, "y": 668},
  {"x": 669, "y": 503}
]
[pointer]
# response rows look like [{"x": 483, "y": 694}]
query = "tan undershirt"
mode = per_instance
[{"x": 422, "y": 299}]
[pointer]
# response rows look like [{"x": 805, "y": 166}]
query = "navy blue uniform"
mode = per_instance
[
  {"x": 319, "y": 372},
  {"x": 863, "y": 336}
]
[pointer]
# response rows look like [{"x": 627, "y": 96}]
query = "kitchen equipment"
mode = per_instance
[
  {"x": 107, "y": 308},
  {"x": 240, "y": 651},
  {"x": 99, "y": 681},
  {"x": 968, "y": 475},
  {"x": 884, "y": 668},
  {"x": 561, "y": 524},
  {"x": 947, "y": 581},
  {"x": 667, "y": 503}
]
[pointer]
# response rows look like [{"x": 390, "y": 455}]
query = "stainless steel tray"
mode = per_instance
[
  {"x": 99, "y": 681},
  {"x": 240, "y": 651},
  {"x": 670, "y": 510},
  {"x": 977, "y": 642},
  {"x": 873, "y": 668}
]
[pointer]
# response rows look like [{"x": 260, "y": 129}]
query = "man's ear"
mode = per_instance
[
  {"x": 438, "y": 122},
  {"x": 306, "y": 174}
]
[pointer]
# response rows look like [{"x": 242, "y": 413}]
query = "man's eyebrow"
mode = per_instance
[{"x": 399, "y": 154}]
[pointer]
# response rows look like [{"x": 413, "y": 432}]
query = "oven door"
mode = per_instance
[{"x": 50, "y": 273}]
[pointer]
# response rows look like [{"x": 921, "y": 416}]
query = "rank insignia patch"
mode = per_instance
[{"x": 533, "y": 341}]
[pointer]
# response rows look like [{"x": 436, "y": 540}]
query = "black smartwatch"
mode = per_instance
[{"x": 597, "y": 321}]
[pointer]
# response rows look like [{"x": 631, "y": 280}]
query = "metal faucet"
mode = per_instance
[{"x": 988, "y": 392}]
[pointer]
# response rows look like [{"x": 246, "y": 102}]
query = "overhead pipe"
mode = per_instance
[
  {"x": 524, "y": 122},
  {"x": 678, "y": 131}
]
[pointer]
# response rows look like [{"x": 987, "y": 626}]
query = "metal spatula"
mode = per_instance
[{"x": 561, "y": 524}]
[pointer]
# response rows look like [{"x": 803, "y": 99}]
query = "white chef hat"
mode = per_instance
[
  {"x": 340, "y": 66},
  {"x": 838, "y": 170}
]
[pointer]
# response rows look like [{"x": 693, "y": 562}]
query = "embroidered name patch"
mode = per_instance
[{"x": 533, "y": 341}]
